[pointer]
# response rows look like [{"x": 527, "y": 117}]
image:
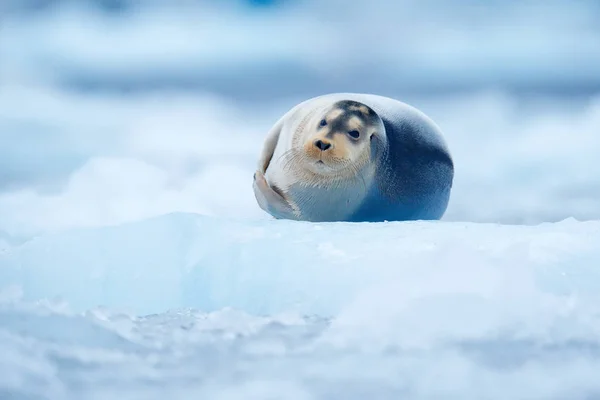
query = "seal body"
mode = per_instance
[{"x": 354, "y": 157}]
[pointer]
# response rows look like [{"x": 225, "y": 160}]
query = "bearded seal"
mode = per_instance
[{"x": 356, "y": 158}]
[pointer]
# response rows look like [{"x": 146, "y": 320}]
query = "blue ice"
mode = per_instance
[{"x": 188, "y": 305}]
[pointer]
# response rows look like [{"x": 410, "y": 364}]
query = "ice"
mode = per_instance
[
  {"x": 136, "y": 264},
  {"x": 264, "y": 267},
  {"x": 186, "y": 305}
]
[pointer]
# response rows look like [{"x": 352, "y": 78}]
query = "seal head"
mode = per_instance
[{"x": 337, "y": 144}]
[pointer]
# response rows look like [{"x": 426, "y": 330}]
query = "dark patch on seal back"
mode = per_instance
[{"x": 415, "y": 168}]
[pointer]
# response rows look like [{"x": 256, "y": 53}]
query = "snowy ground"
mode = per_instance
[
  {"x": 135, "y": 263},
  {"x": 201, "y": 307}
]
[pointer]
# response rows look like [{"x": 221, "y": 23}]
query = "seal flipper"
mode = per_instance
[
  {"x": 269, "y": 147},
  {"x": 270, "y": 200}
]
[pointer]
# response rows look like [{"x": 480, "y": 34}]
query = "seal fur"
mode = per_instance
[{"x": 398, "y": 168}]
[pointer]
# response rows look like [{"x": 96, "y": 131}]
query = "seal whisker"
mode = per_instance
[
  {"x": 286, "y": 154},
  {"x": 287, "y": 157},
  {"x": 292, "y": 157}
]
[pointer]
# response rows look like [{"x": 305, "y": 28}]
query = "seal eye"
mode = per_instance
[
  {"x": 323, "y": 122},
  {"x": 354, "y": 134}
]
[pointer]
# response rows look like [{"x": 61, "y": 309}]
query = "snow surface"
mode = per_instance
[
  {"x": 135, "y": 263},
  {"x": 190, "y": 306}
]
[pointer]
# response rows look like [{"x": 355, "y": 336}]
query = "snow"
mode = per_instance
[
  {"x": 93, "y": 146},
  {"x": 136, "y": 264},
  {"x": 189, "y": 305},
  {"x": 265, "y": 267},
  {"x": 80, "y": 160},
  {"x": 520, "y": 45}
]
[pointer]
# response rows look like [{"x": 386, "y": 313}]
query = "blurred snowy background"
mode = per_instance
[{"x": 117, "y": 110}]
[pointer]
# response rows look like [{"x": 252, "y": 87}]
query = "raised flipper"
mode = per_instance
[
  {"x": 269, "y": 147},
  {"x": 271, "y": 201}
]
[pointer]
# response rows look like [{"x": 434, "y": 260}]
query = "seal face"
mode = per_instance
[
  {"x": 353, "y": 157},
  {"x": 337, "y": 146}
]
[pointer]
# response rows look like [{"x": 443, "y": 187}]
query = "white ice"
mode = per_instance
[
  {"x": 135, "y": 263},
  {"x": 203, "y": 307}
]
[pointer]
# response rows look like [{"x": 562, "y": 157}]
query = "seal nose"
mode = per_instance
[{"x": 322, "y": 145}]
